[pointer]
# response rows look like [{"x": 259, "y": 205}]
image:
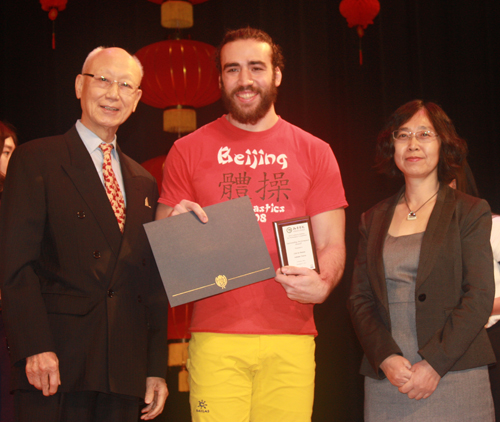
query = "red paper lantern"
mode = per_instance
[
  {"x": 155, "y": 167},
  {"x": 53, "y": 7},
  {"x": 179, "y": 75},
  {"x": 359, "y": 13}
]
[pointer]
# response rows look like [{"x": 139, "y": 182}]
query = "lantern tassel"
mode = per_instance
[
  {"x": 360, "y": 54},
  {"x": 361, "y": 32},
  {"x": 53, "y": 35},
  {"x": 359, "y": 13}
]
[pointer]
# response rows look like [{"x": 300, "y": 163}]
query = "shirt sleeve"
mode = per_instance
[
  {"x": 495, "y": 246},
  {"x": 327, "y": 191},
  {"x": 176, "y": 184}
]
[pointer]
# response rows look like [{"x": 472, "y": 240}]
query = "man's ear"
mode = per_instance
[
  {"x": 277, "y": 76},
  {"x": 79, "y": 86},
  {"x": 139, "y": 95},
  {"x": 220, "y": 82}
]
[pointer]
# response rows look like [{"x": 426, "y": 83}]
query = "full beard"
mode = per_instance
[{"x": 253, "y": 115}]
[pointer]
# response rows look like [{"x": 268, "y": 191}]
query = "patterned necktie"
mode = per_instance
[{"x": 113, "y": 191}]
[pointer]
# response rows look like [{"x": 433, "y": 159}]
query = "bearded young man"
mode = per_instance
[{"x": 251, "y": 356}]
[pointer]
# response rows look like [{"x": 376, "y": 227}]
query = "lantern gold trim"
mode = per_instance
[
  {"x": 179, "y": 120},
  {"x": 177, "y": 14}
]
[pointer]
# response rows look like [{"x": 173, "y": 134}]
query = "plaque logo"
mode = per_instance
[{"x": 221, "y": 281}]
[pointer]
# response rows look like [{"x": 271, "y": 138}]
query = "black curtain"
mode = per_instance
[{"x": 446, "y": 51}]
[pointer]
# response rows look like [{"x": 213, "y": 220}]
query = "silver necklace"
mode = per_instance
[{"x": 412, "y": 215}]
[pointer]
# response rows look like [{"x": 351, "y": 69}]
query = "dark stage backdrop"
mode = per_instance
[{"x": 446, "y": 51}]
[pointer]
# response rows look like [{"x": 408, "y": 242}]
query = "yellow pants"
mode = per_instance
[{"x": 251, "y": 378}]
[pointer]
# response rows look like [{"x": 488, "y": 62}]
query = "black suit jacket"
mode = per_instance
[
  {"x": 71, "y": 282},
  {"x": 454, "y": 285}
]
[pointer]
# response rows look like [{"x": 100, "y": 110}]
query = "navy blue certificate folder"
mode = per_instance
[{"x": 198, "y": 260}]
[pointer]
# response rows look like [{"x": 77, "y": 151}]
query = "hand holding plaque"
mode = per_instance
[{"x": 295, "y": 242}]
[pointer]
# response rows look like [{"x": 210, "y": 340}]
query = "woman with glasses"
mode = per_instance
[{"x": 423, "y": 287}]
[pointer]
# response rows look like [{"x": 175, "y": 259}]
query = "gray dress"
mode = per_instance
[{"x": 460, "y": 395}]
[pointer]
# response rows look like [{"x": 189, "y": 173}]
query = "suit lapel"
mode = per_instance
[
  {"x": 435, "y": 233},
  {"x": 81, "y": 170},
  {"x": 135, "y": 193},
  {"x": 135, "y": 197}
]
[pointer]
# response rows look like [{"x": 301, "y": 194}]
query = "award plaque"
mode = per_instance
[{"x": 295, "y": 241}]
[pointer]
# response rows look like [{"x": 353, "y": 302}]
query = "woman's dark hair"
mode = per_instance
[
  {"x": 465, "y": 181},
  {"x": 251, "y": 34},
  {"x": 452, "y": 151},
  {"x": 6, "y": 131}
]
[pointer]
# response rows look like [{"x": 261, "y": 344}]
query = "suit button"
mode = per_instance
[
  {"x": 422, "y": 297},
  {"x": 143, "y": 262},
  {"x": 139, "y": 299},
  {"x": 96, "y": 254},
  {"x": 111, "y": 293},
  {"x": 80, "y": 214}
]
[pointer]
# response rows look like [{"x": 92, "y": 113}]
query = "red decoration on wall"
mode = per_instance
[
  {"x": 53, "y": 7},
  {"x": 359, "y": 13},
  {"x": 155, "y": 167},
  {"x": 179, "y": 73}
]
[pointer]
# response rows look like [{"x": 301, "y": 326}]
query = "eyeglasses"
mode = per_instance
[
  {"x": 105, "y": 83},
  {"x": 421, "y": 135}
]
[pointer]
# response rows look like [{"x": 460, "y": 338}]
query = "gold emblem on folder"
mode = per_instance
[{"x": 221, "y": 281}]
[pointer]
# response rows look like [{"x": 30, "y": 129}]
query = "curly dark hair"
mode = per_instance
[
  {"x": 452, "y": 151},
  {"x": 249, "y": 33}
]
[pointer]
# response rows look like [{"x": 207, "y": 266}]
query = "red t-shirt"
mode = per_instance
[{"x": 287, "y": 173}]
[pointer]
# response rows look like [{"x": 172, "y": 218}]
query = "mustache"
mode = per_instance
[{"x": 245, "y": 88}]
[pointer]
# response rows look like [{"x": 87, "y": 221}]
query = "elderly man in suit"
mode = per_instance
[{"x": 84, "y": 307}]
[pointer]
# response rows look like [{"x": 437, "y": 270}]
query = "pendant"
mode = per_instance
[{"x": 411, "y": 216}]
